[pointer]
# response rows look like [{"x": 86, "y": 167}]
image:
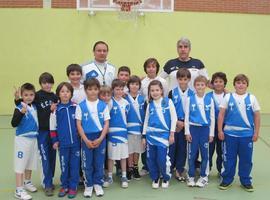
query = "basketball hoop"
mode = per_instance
[{"x": 128, "y": 8}]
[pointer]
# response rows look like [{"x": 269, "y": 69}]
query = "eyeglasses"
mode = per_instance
[{"x": 183, "y": 46}]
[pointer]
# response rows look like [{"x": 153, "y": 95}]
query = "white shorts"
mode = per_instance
[
  {"x": 135, "y": 144},
  {"x": 25, "y": 154},
  {"x": 117, "y": 151}
]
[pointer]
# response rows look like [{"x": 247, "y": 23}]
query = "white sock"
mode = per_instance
[
  {"x": 110, "y": 174},
  {"x": 124, "y": 174},
  {"x": 19, "y": 188}
]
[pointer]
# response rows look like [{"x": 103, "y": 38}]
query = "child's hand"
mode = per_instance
[
  {"x": 255, "y": 137},
  {"x": 189, "y": 138},
  {"x": 24, "y": 108},
  {"x": 171, "y": 138},
  {"x": 221, "y": 135},
  {"x": 53, "y": 107},
  {"x": 56, "y": 145},
  {"x": 211, "y": 138},
  {"x": 89, "y": 144},
  {"x": 96, "y": 142},
  {"x": 17, "y": 93}
]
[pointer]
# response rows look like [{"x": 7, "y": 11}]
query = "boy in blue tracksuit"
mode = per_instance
[
  {"x": 93, "y": 123},
  {"x": 240, "y": 114},
  {"x": 199, "y": 130},
  {"x": 64, "y": 135},
  {"x": 218, "y": 81},
  {"x": 159, "y": 127},
  {"x": 178, "y": 150}
]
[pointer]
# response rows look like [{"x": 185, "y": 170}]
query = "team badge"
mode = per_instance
[{"x": 91, "y": 74}]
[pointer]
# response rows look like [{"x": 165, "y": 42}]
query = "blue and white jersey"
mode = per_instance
[
  {"x": 179, "y": 99},
  {"x": 239, "y": 116},
  {"x": 103, "y": 72},
  {"x": 63, "y": 125},
  {"x": 200, "y": 111},
  {"x": 92, "y": 115},
  {"x": 28, "y": 126},
  {"x": 136, "y": 114},
  {"x": 160, "y": 120},
  {"x": 118, "y": 122},
  {"x": 217, "y": 100}
]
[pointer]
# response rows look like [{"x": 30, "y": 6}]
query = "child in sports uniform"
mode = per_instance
[{"x": 25, "y": 143}]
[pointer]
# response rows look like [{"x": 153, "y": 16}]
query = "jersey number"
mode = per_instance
[{"x": 20, "y": 154}]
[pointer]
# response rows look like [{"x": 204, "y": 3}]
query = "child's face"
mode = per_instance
[
  {"x": 105, "y": 97},
  {"x": 151, "y": 70},
  {"x": 47, "y": 87},
  {"x": 219, "y": 84},
  {"x": 183, "y": 82},
  {"x": 92, "y": 93},
  {"x": 123, "y": 76},
  {"x": 118, "y": 92},
  {"x": 64, "y": 94},
  {"x": 156, "y": 92},
  {"x": 240, "y": 87},
  {"x": 134, "y": 87},
  {"x": 28, "y": 96},
  {"x": 200, "y": 87},
  {"x": 74, "y": 77}
]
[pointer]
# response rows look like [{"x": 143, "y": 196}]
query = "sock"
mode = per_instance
[
  {"x": 110, "y": 174},
  {"x": 19, "y": 188},
  {"x": 124, "y": 174}
]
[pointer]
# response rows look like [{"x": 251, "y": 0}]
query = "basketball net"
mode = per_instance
[{"x": 128, "y": 8}]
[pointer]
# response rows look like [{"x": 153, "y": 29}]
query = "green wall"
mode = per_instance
[{"x": 36, "y": 40}]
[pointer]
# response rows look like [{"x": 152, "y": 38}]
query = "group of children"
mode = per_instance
[{"x": 92, "y": 126}]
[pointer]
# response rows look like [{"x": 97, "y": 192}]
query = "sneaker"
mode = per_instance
[
  {"x": 22, "y": 195},
  {"x": 72, "y": 194},
  {"x": 88, "y": 191},
  {"x": 248, "y": 188},
  {"x": 190, "y": 182},
  {"x": 129, "y": 174},
  {"x": 62, "y": 192},
  {"x": 165, "y": 184},
  {"x": 124, "y": 182},
  {"x": 136, "y": 174},
  {"x": 48, "y": 192},
  {"x": 99, "y": 191},
  {"x": 224, "y": 186},
  {"x": 202, "y": 182},
  {"x": 144, "y": 172},
  {"x": 30, "y": 187},
  {"x": 180, "y": 176},
  {"x": 108, "y": 182},
  {"x": 155, "y": 184}
]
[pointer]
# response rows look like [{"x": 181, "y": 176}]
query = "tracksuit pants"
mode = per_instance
[
  {"x": 93, "y": 161},
  {"x": 178, "y": 152},
  {"x": 243, "y": 148},
  {"x": 215, "y": 145},
  {"x": 48, "y": 158},
  {"x": 200, "y": 141},
  {"x": 158, "y": 162},
  {"x": 70, "y": 167}
]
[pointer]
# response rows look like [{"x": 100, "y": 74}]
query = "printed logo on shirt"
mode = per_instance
[
  {"x": 151, "y": 111},
  {"x": 46, "y": 104},
  {"x": 207, "y": 107},
  {"x": 85, "y": 116},
  {"x": 249, "y": 106},
  {"x": 91, "y": 74},
  {"x": 115, "y": 109},
  {"x": 231, "y": 105},
  {"x": 175, "y": 98},
  {"x": 101, "y": 114},
  {"x": 173, "y": 68},
  {"x": 193, "y": 106}
]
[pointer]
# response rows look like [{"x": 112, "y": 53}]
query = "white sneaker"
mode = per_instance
[
  {"x": 144, "y": 172},
  {"x": 108, "y": 181},
  {"x": 88, "y": 192},
  {"x": 124, "y": 182},
  {"x": 165, "y": 184},
  {"x": 155, "y": 184},
  {"x": 99, "y": 191},
  {"x": 202, "y": 182},
  {"x": 30, "y": 187},
  {"x": 22, "y": 195},
  {"x": 190, "y": 182}
]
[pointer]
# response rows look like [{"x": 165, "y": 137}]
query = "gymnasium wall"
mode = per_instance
[{"x": 33, "y": 41}]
